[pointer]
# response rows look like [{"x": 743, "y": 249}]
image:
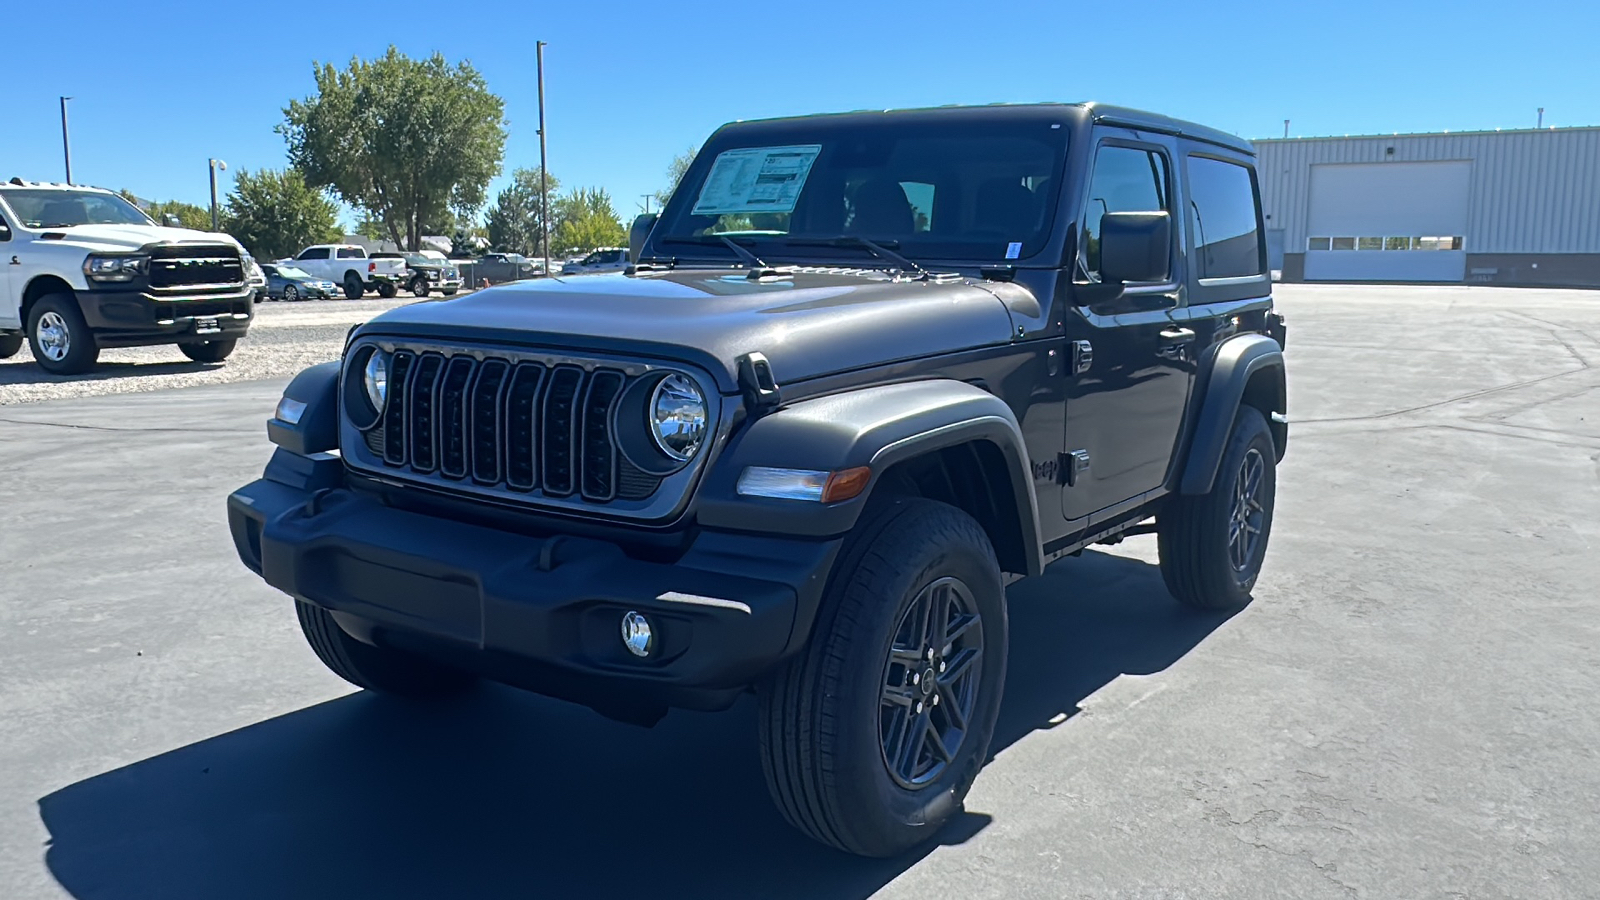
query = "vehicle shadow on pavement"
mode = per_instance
[
  {"x": 507, "y": 794},
  {"x": 26, "y": 371}
]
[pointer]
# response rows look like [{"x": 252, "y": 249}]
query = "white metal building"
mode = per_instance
[{"x": 1511, "y": 207}]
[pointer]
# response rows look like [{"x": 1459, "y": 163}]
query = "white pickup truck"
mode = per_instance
[
  {"x": 82, "y": 269},
  {"x": 348, "y": 266}
]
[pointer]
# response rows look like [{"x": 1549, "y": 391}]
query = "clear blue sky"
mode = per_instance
[{"x": 159, "y": 88}]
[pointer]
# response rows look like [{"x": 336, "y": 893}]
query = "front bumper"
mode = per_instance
[
  {"x": 128, "y": 318},
  {"x": 540, "y": 612}
]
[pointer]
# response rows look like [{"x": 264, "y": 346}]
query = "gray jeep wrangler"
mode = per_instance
[{"x": 866, "y": 369}]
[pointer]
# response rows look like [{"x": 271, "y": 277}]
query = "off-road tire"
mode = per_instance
[
  {"x": 820, "y": 715},
  {"x": 82, "y": 348},
  {"x": 387, "y": 290},
  {"x": 379, "y": 669},
  {"x": 10, "y": 344},
  {"x": 208, "y": 351},
  {"x": 353, "y": 288},
  {"x": 419, "y": 286},
  {"x": 1194, "y": 532}
]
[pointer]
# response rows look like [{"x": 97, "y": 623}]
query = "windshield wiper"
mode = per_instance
[
  {"x": 905, "y": 264},
  {"x": 758, "y": 267}
]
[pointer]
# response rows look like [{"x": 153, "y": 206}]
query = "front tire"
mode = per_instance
[
  {"x": 380, "y": 669},
  {"x": 291, "y": 294},
  {"x": 419, "y": 287},
  {"x": 208, "y": 351},
  {"x": 10, "y": 344},
  {"x": 387, "y": 290},
  {"x": 61, "y": 341},
  {"x": 353, "y": 288},
  {"x": 872, "y": 736},
  {"x": 1212, "y": 545}
]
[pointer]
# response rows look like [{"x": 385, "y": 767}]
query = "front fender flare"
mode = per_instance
[
  {"x": 1234, "y": 363},
  {"x": 875, "y": 427},
  {"x": 318, "y": 428}
]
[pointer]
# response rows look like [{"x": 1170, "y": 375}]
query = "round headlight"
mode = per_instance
[
  {"x": 377, "y": 379},
  {"x": 678, "y": 416}
]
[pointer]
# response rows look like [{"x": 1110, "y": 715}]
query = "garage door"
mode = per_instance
[{"x": 1388, "y": 222}]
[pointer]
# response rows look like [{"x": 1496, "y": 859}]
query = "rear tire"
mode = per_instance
[
  {"x": 353, "y": 288},
  {"x": 209, "y": 351},
  {"x": 375, "y": 668},
  {"x": 10, "y": 344},
  {"x": 60, "y": 339},
  {"x": 387, "y": 290},
  {"x": 1212, "y": 545},
  {"x": 859, "y": 752}
]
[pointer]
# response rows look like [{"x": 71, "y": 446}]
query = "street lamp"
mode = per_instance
[{"x": 214, "y": 165}]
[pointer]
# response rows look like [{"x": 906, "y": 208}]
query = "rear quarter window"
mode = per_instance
[{"x": 1224, "y": 232}]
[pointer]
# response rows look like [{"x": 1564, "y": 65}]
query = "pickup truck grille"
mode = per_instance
[
  {"x": 524, "y": 427},
  {"x": 195, "y": 265}
]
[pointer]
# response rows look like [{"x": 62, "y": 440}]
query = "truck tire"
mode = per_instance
[
  {"x": 387, "y": 290},
  {"x": 60, "y": 339},
  {"x": 872, "y": 735},
  {"x": 208, "y": 351},
  {"x": 353, "y": 288},
  {"x": 1212, "y": 545},
  {"x": 10, "y": 344},
  {"x": 379, "y": 669},
  {"x": 419, "y": 286}
]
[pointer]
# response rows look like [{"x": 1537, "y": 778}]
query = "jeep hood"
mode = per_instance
[
  {"x": 120, "y": 238},
  {"x": 807, "y": 324}
]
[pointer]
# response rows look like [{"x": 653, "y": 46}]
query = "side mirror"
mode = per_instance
[
  {"x": 1135, "y": 246},
  {"x": 637, "y": 234},
  {"x": 173, "y": 221}
]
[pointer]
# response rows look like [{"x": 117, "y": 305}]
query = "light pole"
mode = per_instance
[
  {"x": 647, "y": 199},
  {"x": 544, "y": 178},
  {"x": 66, "y": 145},
  {"x": 214, "y": 165}
]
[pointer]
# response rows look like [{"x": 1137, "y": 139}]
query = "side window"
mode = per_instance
[
  {"x": 5, "y": 229},
  {"x": 352, "y": 253},
  {"x": 1126, "y": 179},
  {"x": 1222, "y": 209},
  {"x": 315, "y": 253}
]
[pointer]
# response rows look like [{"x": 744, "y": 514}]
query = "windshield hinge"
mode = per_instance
[{"x": 760, "y": 389}]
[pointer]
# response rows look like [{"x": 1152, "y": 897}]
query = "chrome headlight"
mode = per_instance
[
  {"x": 376, "y": 378},
  {"x": 678, "y": 416},
  {"x": 115, "y": 268}
]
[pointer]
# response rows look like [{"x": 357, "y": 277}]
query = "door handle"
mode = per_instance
[{"x": 1177, "y": 336}]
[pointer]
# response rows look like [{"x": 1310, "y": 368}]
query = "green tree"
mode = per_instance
[
  {"x": 189, "y": 215},
  {"x": 585, "y": 219},
  {"x": 372, "y": 229},
  {"x": 406, "y": 141},
  {"x": 675, "y": 173},
  {"x": 277, "y": 214},
  {"x": 513, "y": 221}
]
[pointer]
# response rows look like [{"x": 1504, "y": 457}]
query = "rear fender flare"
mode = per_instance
[{"x": 1234, "y": 364}]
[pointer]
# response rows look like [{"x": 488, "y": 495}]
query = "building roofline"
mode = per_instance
[{"x": 1415, "y": 134}]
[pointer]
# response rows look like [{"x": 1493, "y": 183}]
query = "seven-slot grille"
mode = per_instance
[
  {"x": 523, "y": 426},
  {"x": 192, "y": 265}
]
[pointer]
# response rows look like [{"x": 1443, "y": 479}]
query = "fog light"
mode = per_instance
[{"x": 636, "y": 634}]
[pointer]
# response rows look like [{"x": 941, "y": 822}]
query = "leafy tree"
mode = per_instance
[
  {"x": 675, "y": 173},
  {"x": 513, "y": 221},
  {"x": 276, "y": 214},
  {"x": 585, "y": 219},
  {"x": 189, "y": 215},
  {"x": 372, "y": 229},
  {"x": 407, "y": 141}
]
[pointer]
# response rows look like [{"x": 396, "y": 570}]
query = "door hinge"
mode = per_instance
[
  {"x": 1082, "y": 357},
  {"x": 1070, "y": 467}
]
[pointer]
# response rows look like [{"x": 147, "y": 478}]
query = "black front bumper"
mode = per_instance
[
  {"x": 543, "y": 613},
  {"x": 128, "y": 318}
]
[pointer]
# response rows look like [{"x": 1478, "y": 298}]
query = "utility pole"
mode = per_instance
[
  {"x": 544, "y": 177},
  {"x": 214, "y": 165},
  {"x": 1285, "y": 128},
  {"x": 66, "y": 145},
  {"x": 1540, "y": 125}
]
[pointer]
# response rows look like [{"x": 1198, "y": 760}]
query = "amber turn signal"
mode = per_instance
[{"x": 846, "y": 484}]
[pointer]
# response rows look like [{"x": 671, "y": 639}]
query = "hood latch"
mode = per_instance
[{"x": 760, "y": 389}]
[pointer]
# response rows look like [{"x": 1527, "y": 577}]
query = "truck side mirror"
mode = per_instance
[
  {"x": 637, "y": 234},
  {"x": 1135, "y": 246},
  {"x": 173, "y": 221}
]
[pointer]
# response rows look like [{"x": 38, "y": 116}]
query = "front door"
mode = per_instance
[
  {"x": 10, "y": 278},
  {"x": 1126, "y": 404}
]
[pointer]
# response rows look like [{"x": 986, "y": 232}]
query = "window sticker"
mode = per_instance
[
  {"x": 1013, "y": 250},
  {"x": 756, "y": 180}
]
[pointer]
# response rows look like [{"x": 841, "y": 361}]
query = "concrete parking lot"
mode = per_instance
[{"x": 1406, "y": 710}]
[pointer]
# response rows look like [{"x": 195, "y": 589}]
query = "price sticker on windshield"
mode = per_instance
[{"x": 756, "y": 180}]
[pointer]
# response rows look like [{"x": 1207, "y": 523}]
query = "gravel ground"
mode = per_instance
[{"x": 285, "y": 338}]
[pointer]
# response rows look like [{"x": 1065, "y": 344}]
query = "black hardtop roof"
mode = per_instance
[{"x": 1097, "y": 112}]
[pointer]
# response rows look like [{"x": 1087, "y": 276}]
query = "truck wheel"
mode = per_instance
[
  {"x": 353, "y": 288},
  {"x": 450, "y": 292},
  {"x": 208, "y": 351},
  {"x": 387, "y": 290},
  {"x": 61, "y": 341},
  {"x": 374, "y": 668},
  {"x": 872, "y": 736},
  {"x": 1212, "y": 545},
  {"x": 10, "y": 344},
  {"x": 419, "y": 287}
]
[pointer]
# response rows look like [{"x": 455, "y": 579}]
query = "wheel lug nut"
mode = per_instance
[
  {"x": 935, "y": 700},
  {"x": 916, "y": 678},
  {"x": 919, "y": 706},
  {"x": 941, "y": 667}
]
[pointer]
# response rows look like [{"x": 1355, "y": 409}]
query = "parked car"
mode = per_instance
[
  {"x": 349, "y": 266},
  {"x": 606, "y": 259},
  {"x": 89, "y": 270},
  {"x": 803, "y": 459},
  {"x": 430, "y": 271},
  {"x": 255, "y": 277},
  {"x": 502, "y": 267},
  {"x": 286, "y": 281}
]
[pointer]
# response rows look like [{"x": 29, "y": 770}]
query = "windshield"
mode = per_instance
[
  {"x": 958, "y": 189},
  {"x": 292, "y": 272},
  {"x": 417, "y": 259},
  {"x": 63, "y": 209}
]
